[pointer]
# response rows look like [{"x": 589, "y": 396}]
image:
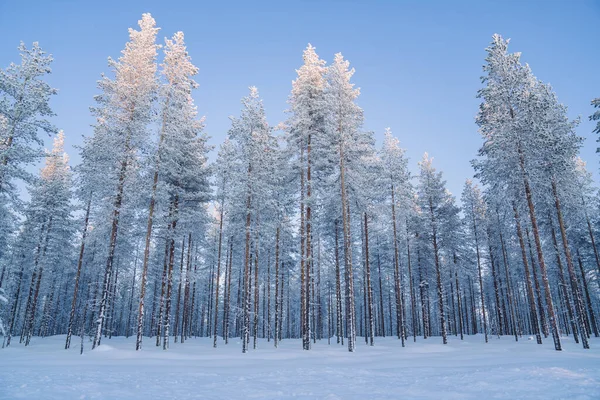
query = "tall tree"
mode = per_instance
[{"x": 123, "y": 113}]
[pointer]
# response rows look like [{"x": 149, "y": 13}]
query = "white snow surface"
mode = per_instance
[{"x": 469, "y": 369}]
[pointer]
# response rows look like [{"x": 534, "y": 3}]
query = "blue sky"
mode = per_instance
[{"x": 417, "y": 63}]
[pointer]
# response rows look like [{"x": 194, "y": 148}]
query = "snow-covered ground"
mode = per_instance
[{"x": 471, "y": 369}]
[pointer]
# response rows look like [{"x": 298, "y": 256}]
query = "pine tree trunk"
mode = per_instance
[
  {"x": 571, "y": 269},
  {"x": 499, "y": 314},
  {"x": 397, "y": 285},
  {"x": 277, "y": 304},
  {"x": 78, "y": 274},
  {"x": 15, "y": 305},
  {"x": 592, "y": 239},
  {"x": 177, "y": 307},
  {"x": 509, "y": 293},
  {"x": 458, "y": 300},
  {"x": 167, "y": 320},
  {"x": 268, "y": 296},
  {"x": 132, "y": 290},
  {"x": 483, "y": 317},
  {"x": 592, "y": 317},
  {"x": 438, "y": 274},
  {"x": 413, "y": 306},
  {"x": 423, "y": 288},
  {"x": 111, "y": 247},
  {"x": 141, "y": 310},
  {"x": 540, "y": 255},
  {"x": 308, "y": 264},
  {"x": 228, "y": 297},
  {"x": 163, "y": 283},
  {"x": 247, "y": 261},
  {"x": 382, "y": 314},
  {"x": 563, "y": 286},
  {"x": 256, "y": 285},
  {"x": 538, "y": 292},
  {"x": 338, "y": 289},
  {"x": 369, "y": 289},
  {"x": 40, "y": 267}
]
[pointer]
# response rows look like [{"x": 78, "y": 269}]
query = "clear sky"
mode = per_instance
[{"x": 418, "y": 63}]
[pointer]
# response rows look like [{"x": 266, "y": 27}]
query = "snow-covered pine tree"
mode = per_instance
[
  {"x": 306, "y": 126},
  {"x": 252, "y": 137},
  {"x": 49, "y": 212},
  {"x": 124, "y": 110},
  {"x": 505, "y": 119}
]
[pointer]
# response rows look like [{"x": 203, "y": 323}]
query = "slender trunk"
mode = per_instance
[
  {"x": 256, "y": 285},
  {"x": 587, "y": 297},
  {"x": 132, "y": 290},
  {"x": 246, "y": 309},
  {"x": 338, "y": 289},
  {"x": 563, "y": 286},
  {"x": 499, "y": 313},
  {"x": 413, "y": 306},
  {"x": 592, "y": 238},
  {"x": 538, "y": 291},
  {"x": 112, "y": 245},
  {"x": 308, "y": 264},
  {"x": 509, "y": 293},
  {"x": 460, "y": 319},
  {"x": 475, "y": 232},
  {"x": 277, "y": 304},
  {"x": 571, "y": 269},
  {"x": 438, "y": 274},
  {"x": 540, "y": 255},
  {"x": 228, "y": 297},
  {"x": 381, "y": 313},
  {"x": 369, "y": 289},
  {"x": 167, "y": 321},
  {"x": 177, "y": 307},
  {"x": 218, "y": 275},
  {"x": 78, "y": 274},
  {"x": 397, "y": 272}
]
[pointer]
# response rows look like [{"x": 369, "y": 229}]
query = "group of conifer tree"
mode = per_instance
[{"x": 304, "y": 230}]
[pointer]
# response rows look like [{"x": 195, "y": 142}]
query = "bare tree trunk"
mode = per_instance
[
  {"x": 460, "y": 319},
  {"x": 382, "y": 314},
  {"x": 32, "y": 310},
  {"x": 132, "y": 290},
  {"x": 580, "y": 312},
  {"x": 413, "y": 306},
  {"x": 483, "y": 317},
  {"x": 338, "y": 289},
  {"x": 163, "y": 284},
  {"x": 228, "y": 297},
  {"x": 256, "y": 284},
  {"x": 308, "y": 251},
  {"x": 592, "y": 239},
  {"x": 218, "y": 275},
  {"x": 181, "y": 279},
  {"x": 540, "y": 255},
  {"x": 538, "y": 291},
  {"x": 78, "y": 274},
  {"x": 369, "y": 289},
  {"x": 499, "y": 314},
  {"x": 592, "y": 317},
  {"x": 508, "y": 286},
  {"x": 438, "y": 271},
  {"x": 111, "y": 247},
  {"x": 397, "y": 285},
  {"x": 277, "y": 304},
  {"x": 167, "y": 321},
  {"x": 247, "y": 261},
  {"x": 563, "y": 285}
]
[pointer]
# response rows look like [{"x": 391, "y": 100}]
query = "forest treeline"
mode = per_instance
[{"x": 305, "y": 230}]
